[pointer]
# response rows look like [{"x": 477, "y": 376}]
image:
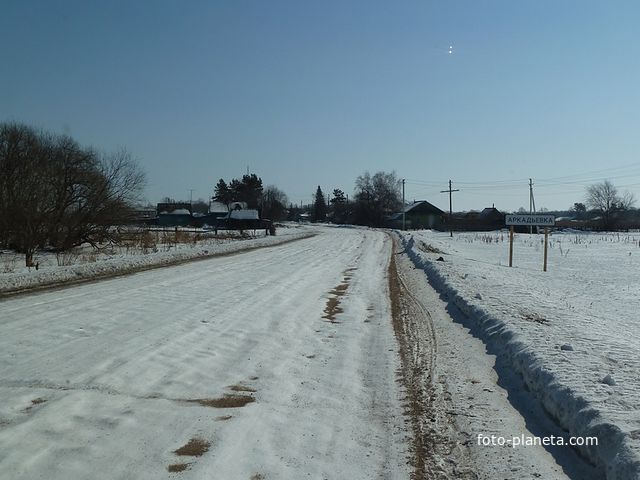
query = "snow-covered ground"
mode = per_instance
[
  {"x": 572, "y": 333},
  {"x": 277, "y": 363},
  {"x": 281, "y": 362},
  {"x": 87, "y": 263}
]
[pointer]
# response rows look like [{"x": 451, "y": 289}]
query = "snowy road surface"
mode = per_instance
[
  {"x": 276, "y": 363},
  {"x": 319, "y": 358}
]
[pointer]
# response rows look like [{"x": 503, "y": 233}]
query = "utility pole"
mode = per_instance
[
  {"x": 191, "y": 197},
  {"x": 450, "y": 191},
  {"x": 404, "y": 223},
  {"x": 532, "y": 203}
]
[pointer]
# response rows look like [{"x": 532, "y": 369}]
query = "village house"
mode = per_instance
[{"x": 418, "y": 215}]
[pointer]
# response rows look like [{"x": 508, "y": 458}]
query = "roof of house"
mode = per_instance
[
  {"x": 218, "y": 207},
  {"x": 177, "y": 211},
  {"x": 244, "y": 215},
  {"x": 490, "y": 211},
  {"x": 424, "y": 206},
  {"x": 172, "y": 207}
]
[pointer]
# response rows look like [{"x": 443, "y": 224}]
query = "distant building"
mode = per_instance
[
  {"x": 418, "y": 215},
  {"x": 218, "y": 209},
  {"x": 144, "y": 216},
  {"x": 491, "y": 219},
  {"x": 167, "y": 208},
  {"x": 174, "y": 214},
  {"x": 488, "y": 219}
]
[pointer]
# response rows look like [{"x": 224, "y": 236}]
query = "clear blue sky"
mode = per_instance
[{"x": 315, "y": 93}]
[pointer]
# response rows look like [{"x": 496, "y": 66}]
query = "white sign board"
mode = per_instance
[{"x": 531, "y": 220}]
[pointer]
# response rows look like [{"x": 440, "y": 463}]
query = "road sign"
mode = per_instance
[{"x": 531, "y": 220}]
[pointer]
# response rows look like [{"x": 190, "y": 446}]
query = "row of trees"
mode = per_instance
[
  {"x": 270, "y": 201},
  {"x": 376, "y": 197},
  {"x": 55, "y": 193},
  {"x": 248, "y": 190}
]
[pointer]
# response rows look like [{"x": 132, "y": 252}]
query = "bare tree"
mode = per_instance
[
  {"x": 377, "y": 197},
  {"x": 55, "y": 193},
  {"x": 25, "y": 189},
  {"x": 604, "y": 198},
  {"x": 274, "y": 203},
  {"x": 106, "y": 194}
]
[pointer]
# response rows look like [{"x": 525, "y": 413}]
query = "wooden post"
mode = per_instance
[
  {"x": 511, "y": 246},
  {"x": 546, "y": 235}
]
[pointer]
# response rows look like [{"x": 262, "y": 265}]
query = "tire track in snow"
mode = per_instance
[{"x": 418, "y": 348}]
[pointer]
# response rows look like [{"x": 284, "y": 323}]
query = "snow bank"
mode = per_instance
[
  {"x": 569, "y": 386},
  {"x": 120, "y": 264}
]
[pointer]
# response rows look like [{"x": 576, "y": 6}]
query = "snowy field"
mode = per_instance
[
  {"x": 279, "y": 363},
  {"x": 573, "y": 332},
  {"x": 160, "y": 248}
]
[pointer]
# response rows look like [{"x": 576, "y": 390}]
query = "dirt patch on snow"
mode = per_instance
[
  {"x": 426, "y": 247},
  {"x": 227, "y": 401},
  {"x": 340, "y": 290},
  {"x": 196, "y": 447},
  {"x": 35, "y": 402},
  {"x": 242, "y": 388},
  {"x": 332, "y": 309},
  {"x": 177, "y": 467},
  {"x": 224, "y": 418}
]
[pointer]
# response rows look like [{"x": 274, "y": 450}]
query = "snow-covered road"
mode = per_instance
[
  {"x": 281, "y": 362},
  {"x": 110, "y": 379}
]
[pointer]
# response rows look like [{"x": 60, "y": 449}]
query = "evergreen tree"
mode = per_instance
[
  {"x": 319, "y": 207},
  {"x": 248, "y": 190},
  {"x": 222, "y": 193},
  {"x": 340, "y": 207}
]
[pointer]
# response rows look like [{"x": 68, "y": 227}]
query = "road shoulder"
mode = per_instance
[{"x": 453, "y": 391}]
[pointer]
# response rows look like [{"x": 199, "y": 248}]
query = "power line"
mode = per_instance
[{"x": 578, "y": 178}]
